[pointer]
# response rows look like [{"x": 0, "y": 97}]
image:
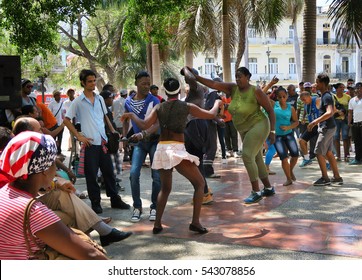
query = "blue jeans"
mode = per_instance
[
  {"x": 341, "y": 125},
  {"x": 285, "y": 143},
  {"x": 139, "y": 154}
]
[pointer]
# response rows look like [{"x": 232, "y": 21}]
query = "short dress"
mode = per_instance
[{"x": 170, "y": 153}]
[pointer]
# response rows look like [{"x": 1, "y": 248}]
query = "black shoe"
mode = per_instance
[
  {"x": 266, "y": 192},
  {"x": 322, "y": 182},
  {"x": 114, "y": 236},
  {"x": 157, "y": 230},
  {"x": 97, "y": 208},
  {"x": 200, "y": 230},
  {"x": 117, "y": 202}
]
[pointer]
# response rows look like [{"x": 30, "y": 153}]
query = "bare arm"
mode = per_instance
[
  {"x": 295, "y": 121},
  {"x": 271, "y": 83},
  {"x": 350, "y": 114},
  {"x": 80, "y": 137},
  {"x": 62, "y": 239},
  {"x": 265, "y": 102},
  {"x": 329, "y": 113},
  {"x": 221, "y": 86},
  {"x": 204, "y": 114},
  {"x": 142, "y": 124}
]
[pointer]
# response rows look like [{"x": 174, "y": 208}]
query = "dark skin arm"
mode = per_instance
[
  {"x": 220, "y": 86},
  {"x": 193, "y": 110},
  {"x": 264, "y": 102},
  {"x": 62, "y": 239}
]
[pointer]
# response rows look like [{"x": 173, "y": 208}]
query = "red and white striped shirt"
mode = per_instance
[{"x": 12, "y": 206}]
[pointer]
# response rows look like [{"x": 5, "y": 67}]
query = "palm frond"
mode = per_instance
[{"x": 347, "y": 19}]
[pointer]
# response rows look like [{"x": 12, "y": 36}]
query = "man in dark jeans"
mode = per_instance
[
  {"x": 355, "y": 122},
  {"x": 196, "y": 132},
  {"x": 89, "y": 108}
]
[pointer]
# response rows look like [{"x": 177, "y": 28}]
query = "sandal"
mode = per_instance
[
  {"x": 200, "y": 230},
  {"x": 157, "y": 230}
]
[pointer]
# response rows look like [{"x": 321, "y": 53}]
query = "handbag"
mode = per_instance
[
  {"x": 113, "y": 142},
  {"x": 48, "y": 253}
]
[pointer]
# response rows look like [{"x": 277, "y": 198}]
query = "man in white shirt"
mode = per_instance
[
  {"x": 355, "y": 122},
  {"x": 56, "y": 107}
]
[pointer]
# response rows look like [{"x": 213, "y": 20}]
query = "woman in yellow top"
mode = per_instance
[{"x": 253, "y": 125}]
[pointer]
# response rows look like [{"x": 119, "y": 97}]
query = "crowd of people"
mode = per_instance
[{"x": 272, "y": 121}]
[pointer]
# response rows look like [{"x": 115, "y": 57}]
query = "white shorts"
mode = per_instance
[{"x": 170, "y": 153}]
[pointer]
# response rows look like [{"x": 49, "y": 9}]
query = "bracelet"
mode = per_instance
[
  {"x": 140, "y": 133},
  {"x": 272, "y": 131}
]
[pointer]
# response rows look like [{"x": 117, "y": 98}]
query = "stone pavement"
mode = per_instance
[{"x": 301, "y": 222}]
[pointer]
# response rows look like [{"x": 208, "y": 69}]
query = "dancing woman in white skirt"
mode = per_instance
[{"x": 172, "y": 116}]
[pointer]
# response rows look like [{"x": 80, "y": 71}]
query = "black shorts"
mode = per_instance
[{"x": 307, "y": 135}]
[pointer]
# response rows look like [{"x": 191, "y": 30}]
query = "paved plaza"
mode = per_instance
[{"x": 300, "y": 222}]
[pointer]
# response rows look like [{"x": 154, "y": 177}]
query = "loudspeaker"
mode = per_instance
[{"x": 10, "y": 82}]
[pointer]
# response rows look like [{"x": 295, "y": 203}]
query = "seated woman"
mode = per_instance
[
  {"x": 27, "y": 164},
  {"x": 61, "y": 198},
  {"x": 171, "y": 152}
]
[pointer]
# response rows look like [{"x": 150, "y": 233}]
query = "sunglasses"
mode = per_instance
[{"x": 29, "y": 86}]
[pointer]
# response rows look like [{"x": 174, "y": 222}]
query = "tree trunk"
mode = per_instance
[
  {"x": 156, "y": 72},
  {"x": 358, "y": 64},
  {"x": 298, "y": 62},
  {"x": 149, "y": 58},
  {"x": 226, "y": 62},
  {"x": 189, "y": 57},
  {"x": 309, "y": 40},
  {"x": 242, "y": 49}
]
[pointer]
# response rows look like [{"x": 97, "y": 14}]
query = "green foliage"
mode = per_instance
[
  {"x": 347, "y": 16},
  {"x": 33, "y": 24},
  {"x": 154, "y": 20}
]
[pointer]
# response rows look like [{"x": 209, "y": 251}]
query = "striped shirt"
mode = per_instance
[{"x": 12, "y": 206}]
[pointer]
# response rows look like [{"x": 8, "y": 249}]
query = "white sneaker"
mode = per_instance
[
  {"x": 152, "y": 215},
  {"x": 136, "y": 216},
  {"x": 224, "y": 161}
]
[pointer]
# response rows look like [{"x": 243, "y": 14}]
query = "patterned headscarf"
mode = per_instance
[{"x": 27, "y": 153}]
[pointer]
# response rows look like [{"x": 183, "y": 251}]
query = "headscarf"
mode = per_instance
[{"x": 27, "y": 153}]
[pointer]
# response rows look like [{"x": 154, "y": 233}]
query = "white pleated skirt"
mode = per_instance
[{"x": 170, "y": 153}]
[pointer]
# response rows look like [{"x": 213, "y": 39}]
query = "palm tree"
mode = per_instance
[
  {"x": 347, "y": 22},
  {"x": 294, "y": 9},
  {"x": 198, "y": 31},
  {"x": 309, "y": 40}
]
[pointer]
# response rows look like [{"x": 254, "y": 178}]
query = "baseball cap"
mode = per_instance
[
  {"x": 24, "y": 82},
  {"x": 172, "y": 86},
  {"x": 307, "y": 85},
  {"x": 123, "y": 92},
  {"x": 153, "y": 87}
]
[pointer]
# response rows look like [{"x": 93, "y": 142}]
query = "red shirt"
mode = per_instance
[
  {"x": 227, "y": 114},
  {"x": 12, "y": 206}
]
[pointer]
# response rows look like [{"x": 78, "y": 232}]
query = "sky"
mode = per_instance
[{"x": 323, "y": 2}]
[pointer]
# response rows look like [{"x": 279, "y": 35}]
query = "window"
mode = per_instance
[
  {"x": 345, "y": 65},
  {"x": 253, "y": 65},
  {"x": 327, "y": 63},
  {"x": 209, "y": 65},
  {"x": 273, "y": 65},
  {"x": 292, "y": 66},
  {"x": 291, "y": 31}
]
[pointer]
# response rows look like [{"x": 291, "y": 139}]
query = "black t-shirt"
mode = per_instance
[
  {"x": 326, "y": 100},
  {"x": 292, "y": 100}
]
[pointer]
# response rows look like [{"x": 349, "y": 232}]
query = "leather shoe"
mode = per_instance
[
  {"x": 157, "y": 230},
  {"x": 97, "y": 208},
  {"x": 200, "y": 230},
  {"x": 117, "y": 202},
  {"x": 114, "y": 236}
]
